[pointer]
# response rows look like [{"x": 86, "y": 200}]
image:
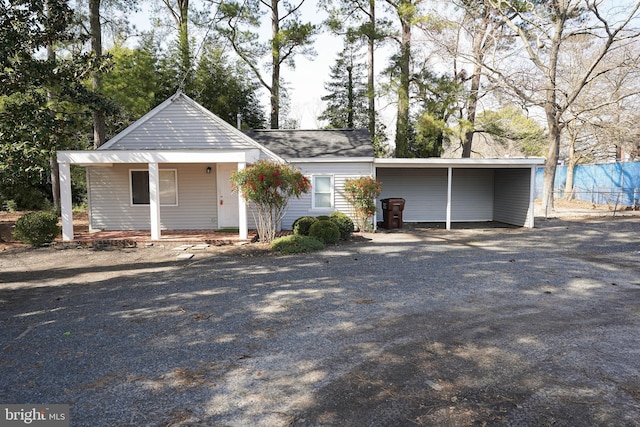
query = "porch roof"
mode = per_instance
[{"x": 108, "y": 157}]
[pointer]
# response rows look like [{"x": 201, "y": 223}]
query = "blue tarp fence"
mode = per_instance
[{"x": 610, "y": 183}]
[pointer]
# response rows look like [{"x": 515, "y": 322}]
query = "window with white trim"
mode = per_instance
[
  {"x": 322, "y": 187},
  {"x": 140, "y": 187}
]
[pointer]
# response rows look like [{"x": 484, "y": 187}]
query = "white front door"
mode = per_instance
[{"x": 227, "y": 200}]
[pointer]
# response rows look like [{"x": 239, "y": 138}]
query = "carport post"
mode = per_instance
[
  {"x": 65, "y": 201},
  {"x": 154, "y": 200},
  {"x": 449, "y": 178},
  {"x": 530, "y": 221},
  {"x": 242, "y": 210}
]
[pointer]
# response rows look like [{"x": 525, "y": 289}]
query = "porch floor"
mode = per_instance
[{"x": 133, "y": 237}]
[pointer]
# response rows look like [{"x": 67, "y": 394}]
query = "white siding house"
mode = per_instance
[
  {"x": 168, "y": 170},
  {"x": 171, "y": 170},
  {"x": 328, "y": 158}
]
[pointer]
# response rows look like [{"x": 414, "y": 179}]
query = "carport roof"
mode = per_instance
[{"x": 437, "y": 162}]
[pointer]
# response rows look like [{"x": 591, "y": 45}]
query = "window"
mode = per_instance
[
  {"x": 168, "y": 187},
  {"x": 322, "y": 192}
]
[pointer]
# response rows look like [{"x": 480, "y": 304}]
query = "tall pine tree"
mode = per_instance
[{"x": 347, "y": 99}]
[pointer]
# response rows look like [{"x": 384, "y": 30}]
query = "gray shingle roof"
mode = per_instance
[{"x": 303, "y": 144}]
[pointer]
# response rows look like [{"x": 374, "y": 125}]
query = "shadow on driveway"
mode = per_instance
[{"x": 424, "y": 327}]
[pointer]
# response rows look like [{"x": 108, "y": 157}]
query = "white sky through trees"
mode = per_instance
[{"x": 306, "y": 82}]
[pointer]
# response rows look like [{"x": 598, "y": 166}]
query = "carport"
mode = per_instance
[{"x": 461, "y": 190}]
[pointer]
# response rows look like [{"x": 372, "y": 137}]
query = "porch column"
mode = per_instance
[
  {"x": 530, "y": 221},
  {"x": 449, "y": 179},
  {"x": 242, "y": 209},
  {"x": 154, "y": 200},
  {"x": 65, "y": 201}
]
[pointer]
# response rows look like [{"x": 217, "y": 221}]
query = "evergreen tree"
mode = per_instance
[
  {"x": 438, "y": 98},
  {"x": 226, "y": 89},
  {"x": 132, "y": 84},
  {"x": 358, "y": 19},
  {"x": 44, "y": 100},
  {"x": 347, "y": 99}
]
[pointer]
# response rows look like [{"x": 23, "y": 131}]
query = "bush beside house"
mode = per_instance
[{"x": 37, "y": 228}]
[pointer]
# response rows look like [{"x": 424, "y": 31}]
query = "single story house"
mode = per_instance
[{"x": 171, "y": 170}]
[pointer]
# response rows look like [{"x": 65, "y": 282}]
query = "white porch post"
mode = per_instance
[
  {"x": 530, "y": 221},
  {"x": 242, "y": 210},
  {"x": 154, "y": 200},
  {"x": 449, "y": 179},
  {"x": 65, "y": 201}
]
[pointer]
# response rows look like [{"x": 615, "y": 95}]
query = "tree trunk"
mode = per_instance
[
  {"x": 53, "y": 162},
  {"x": 350, "y": 96},
  {"x": 478, "y": 55},
  {"x": 371, "y": 91},
  {"x": 402, "y": 123},
  {"x": 568, "y": 188},
  {"x": 185, "y": 50},
  {"x": 571, "y": 166},
  {"x": 553, "y": 114},
  {"x": 550, "y": 164},
  {"x": 55, "y": 180},
  {"x": 471, "y": 110},
  {"x": 180, "y": 14},
  {"x": 275, "y": 73},
  {"x": 99, "y": 128}
]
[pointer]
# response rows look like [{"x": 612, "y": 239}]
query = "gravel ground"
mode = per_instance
[{"x": 484, "y": 326}]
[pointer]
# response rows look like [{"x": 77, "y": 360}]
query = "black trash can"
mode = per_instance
[{"x": 392, "y": 213}]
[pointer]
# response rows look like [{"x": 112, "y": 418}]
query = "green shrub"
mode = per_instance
[
  {"x": 296, "y": 244},
  {"x": 325, "y": 231},
  {"x": 37, "y": 228},
  {"x": 301, "y": 225},
  {"x": 344, "y": 223},
  {"x": 323, "y": 218},
  {"x": 9, "y": 206},
  {"x": 23, "y": 199}
]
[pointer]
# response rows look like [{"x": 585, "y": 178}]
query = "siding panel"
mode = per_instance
[
  {"x": 182, "y": 125},
  {"x": 512, "y": 196},
  {"x": 109, "y": 199},
  {"x": 472, "y": 195},
  {"x": 341, "y": 171},
  {"x": 424, "y": 191}
]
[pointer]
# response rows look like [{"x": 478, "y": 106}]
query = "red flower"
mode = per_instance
[
  {"x": 261, "y": 177},
  {"x": 276, "y": 172},
  {"x": 278, "y": 182}
]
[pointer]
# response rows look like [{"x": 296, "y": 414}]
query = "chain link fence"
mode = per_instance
[{"x": 615, "y": 197}]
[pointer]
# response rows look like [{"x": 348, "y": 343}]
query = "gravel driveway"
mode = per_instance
[{"x": 492, "y": 326}]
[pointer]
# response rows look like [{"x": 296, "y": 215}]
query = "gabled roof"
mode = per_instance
[
  {"x": 180, "y": 123},
  {"x": 308, "y": 144}
]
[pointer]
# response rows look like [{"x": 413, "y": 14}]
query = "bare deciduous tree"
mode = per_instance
[
  {"x": 602, "y": 123},
  {"x": 543, "y": 30}
]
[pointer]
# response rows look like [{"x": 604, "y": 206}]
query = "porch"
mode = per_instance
[
  {"x": 126, "y": 238},
  {"x": 112, "y": 194}
]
